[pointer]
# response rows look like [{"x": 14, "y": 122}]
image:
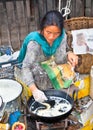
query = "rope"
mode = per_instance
[{"x": 66, "y": 9}]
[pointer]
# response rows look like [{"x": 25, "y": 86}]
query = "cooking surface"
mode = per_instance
[
  {"x": 72, "y": 124},
  {"x": 52, "y": 118},
  {"x": 60, "y": 107}
]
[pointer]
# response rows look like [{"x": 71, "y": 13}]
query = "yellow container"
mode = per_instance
[
  {"x": 88, "y": 127},
  {"x": 84, "y": 87},
  {"x": 4, "y": 126}
]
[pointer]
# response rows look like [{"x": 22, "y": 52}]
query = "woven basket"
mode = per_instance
[
  {"x": 85, "y": 60},
  {"x": 78, "y": 23}
]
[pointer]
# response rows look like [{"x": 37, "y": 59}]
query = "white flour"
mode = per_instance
[{"x": 9, "y": 89}]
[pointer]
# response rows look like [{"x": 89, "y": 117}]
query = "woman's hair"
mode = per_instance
[{"x": 52, "y": 17}]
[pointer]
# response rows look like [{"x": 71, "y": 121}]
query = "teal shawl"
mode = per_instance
[{"x": 47, "y": 49}]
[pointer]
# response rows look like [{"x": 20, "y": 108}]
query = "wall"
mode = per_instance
[{"x": 19, "y": 17}]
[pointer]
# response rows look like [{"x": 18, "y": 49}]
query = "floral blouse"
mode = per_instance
[{"x": 34, "y": 55}]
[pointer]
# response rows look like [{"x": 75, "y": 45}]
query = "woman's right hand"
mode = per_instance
[
  {"x": 37, "y": 94},
  {"x": 72, "y": 58}
]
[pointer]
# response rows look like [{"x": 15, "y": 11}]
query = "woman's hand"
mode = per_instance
[
  {"x": 72, "y": 58},
  {"x": 37, "y": 94}
]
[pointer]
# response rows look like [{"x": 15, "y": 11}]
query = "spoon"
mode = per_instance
[{"x": 42, "y": 105}]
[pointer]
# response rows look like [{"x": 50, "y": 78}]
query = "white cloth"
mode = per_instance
[{"x": 6, "y": 58}]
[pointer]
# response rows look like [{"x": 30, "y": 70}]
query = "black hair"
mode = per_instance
[{"x": 52, "y": 17}]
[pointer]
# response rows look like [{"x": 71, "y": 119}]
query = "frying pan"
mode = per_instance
[{"x": 48, "y": 93}]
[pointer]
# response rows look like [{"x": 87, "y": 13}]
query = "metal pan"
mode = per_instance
[{"x": 49, "y": 93}]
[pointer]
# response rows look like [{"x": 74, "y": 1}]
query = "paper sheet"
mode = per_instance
[{"x": 82, "y": 41}]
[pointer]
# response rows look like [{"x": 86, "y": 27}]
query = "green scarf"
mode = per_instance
[{"x": 47, "y": 49}]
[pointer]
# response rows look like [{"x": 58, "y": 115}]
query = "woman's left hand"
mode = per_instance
[{"x": 72, "y": 58}]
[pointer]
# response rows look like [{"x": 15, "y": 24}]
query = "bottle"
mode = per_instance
[{"x": 91, "y": 82}]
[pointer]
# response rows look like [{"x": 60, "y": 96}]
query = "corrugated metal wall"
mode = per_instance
[{"x": 19, "y": 17}]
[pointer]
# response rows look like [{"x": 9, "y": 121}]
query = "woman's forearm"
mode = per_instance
[{"x": 32, "y": 87}]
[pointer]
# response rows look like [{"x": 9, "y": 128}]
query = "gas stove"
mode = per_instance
[{"x": 54, "y": 126}]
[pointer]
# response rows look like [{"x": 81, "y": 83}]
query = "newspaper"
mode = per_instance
[{"x": 82, "y": 41}]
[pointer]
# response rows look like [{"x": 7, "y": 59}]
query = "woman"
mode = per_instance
[{"x": 40, "y": 46}]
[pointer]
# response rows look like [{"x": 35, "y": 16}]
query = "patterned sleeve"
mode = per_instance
[
  {"x": 61, "y": 54},
  {"x": 30, "y": 59}
]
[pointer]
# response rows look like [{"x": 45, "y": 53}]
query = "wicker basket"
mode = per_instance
[{"x": 77, "y": 23}]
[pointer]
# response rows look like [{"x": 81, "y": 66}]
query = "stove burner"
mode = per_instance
[{"x": 54, "y": 126}]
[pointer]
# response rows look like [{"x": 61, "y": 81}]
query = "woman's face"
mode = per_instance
[{"x": 51, "y": 33}]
